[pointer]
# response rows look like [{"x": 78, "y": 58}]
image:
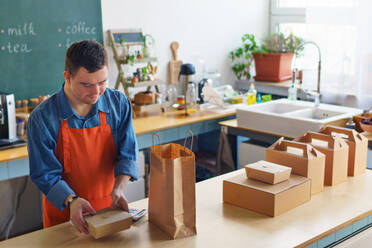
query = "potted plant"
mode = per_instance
[
  {"x": 242, "y": 57},
  {"x": 273, "y": 59}
]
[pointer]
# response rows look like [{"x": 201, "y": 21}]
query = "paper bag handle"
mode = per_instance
[
  {"x": 306, "y": 148},
  {"x": 153, "y": 141},
  {"x": 189, "y": 132},
  {"x": 153, "y": 138}
]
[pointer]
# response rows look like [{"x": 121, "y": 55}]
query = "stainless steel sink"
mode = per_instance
[{"x": 291, "y": 119}]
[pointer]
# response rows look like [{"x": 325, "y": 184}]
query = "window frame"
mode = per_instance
[{"x": 282, "y": 15}]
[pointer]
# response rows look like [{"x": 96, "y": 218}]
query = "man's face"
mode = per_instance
[{"x": 87, "y": 87}]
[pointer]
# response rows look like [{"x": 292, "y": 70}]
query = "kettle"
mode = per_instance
[{"x": 186, "y": 75}]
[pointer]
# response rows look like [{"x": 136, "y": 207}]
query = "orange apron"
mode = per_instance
[{"x": 88, "y": 157}]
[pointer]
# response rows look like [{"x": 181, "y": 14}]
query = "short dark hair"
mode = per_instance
[{"x": 86, "y": 53}]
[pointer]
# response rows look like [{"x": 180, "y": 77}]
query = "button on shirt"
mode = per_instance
[{"x": 42, "y": 134}]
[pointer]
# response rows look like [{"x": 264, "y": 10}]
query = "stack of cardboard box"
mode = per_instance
[
  {"x": 267, "y": 188},
  {"x": 297, "y": 169}
]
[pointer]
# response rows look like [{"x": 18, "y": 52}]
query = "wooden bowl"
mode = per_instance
[
  {"x": 366, "y": 127},
  {"x": 358, "y": 118}
]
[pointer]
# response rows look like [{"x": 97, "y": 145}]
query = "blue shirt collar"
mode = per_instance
[{"x": 67, "y": 111}]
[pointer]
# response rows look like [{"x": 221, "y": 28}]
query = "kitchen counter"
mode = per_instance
[
  {"x": 142, "y": 125},
  {"x": 327, "y": 217},
  {"x": 13, "y": 154}
]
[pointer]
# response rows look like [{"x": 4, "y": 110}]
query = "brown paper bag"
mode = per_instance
[{"x": 172, "y": 189}]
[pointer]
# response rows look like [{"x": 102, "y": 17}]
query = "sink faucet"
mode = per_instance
[{"x": 315, "y": 94}]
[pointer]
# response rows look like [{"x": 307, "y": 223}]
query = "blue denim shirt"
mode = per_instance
[{"x": 42, "y": 134}]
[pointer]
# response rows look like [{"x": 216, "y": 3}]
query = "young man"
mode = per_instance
[{"x": 81, "y": 142}]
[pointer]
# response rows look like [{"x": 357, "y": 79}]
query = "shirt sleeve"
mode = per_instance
[
  {"x": 45, "y": 169},
  {"x": 127, "y": 142}
]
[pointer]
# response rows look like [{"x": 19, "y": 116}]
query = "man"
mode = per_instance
[{"x": 81, "y": 143}]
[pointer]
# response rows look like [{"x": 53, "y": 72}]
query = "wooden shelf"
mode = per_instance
[
  {"x": 138, "y": 61},
  {"x": 146, "y": 83}
]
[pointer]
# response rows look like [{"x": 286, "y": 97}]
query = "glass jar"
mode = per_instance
[
  {"x": 191, "y": 95},
  {"x": 171, "y": 94}
]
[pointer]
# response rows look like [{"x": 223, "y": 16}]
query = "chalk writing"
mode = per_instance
[
  {"x": 18, "y": 48},
  {"x": 80, "y": 28},
  {"x": 26, "y": 29}
]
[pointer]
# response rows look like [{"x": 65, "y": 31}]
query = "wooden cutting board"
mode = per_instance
[
  {"x": 174, "y": 65},
  {"x": 108, "y": 221}
]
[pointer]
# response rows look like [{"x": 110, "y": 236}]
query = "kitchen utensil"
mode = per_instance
[
  {"x": 174, "y": 64},
  {"x": 186, "y": 75}
]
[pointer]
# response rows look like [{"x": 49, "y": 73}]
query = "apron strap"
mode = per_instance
[{"x": 102, "y": 118}]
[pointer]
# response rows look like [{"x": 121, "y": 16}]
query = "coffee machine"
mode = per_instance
[{"x": 8, "y": 131}]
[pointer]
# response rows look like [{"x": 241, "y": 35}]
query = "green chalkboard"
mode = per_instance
[{"x": 34, "y": 36}]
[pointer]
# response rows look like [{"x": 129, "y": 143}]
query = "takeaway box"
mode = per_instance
[
  {"x": 304, "y": 160},
  {"x": 107, "y": 221},
  {"x": 267, "y": 172},
  {"x": 358, "y": 147},
  {"x": 264, "y": 198},
  {"x": 336, "y": 152}
]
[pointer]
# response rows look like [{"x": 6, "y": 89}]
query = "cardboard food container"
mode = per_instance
[
  {"x": 304, "y": 160},
  {"x": 108, "y": 221},
  {"x": 264, "y": 198},
  {"x": 336, "y": 153},
  {"x": 358, "y": 147},
  {"x": 268, "y": 172}
]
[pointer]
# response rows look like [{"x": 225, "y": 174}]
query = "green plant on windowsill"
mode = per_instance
[
  {"x": 273, "y": 59},
  {"x": 279, "y": 43},
  {"x": 242, "y": 57}
]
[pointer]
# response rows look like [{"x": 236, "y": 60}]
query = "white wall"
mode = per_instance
[{"x": 208, "y": 29}]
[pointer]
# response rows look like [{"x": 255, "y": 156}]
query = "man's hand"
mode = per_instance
[
  {"x": 77, "y": 208},
  {"x": 117, "y": 195}
]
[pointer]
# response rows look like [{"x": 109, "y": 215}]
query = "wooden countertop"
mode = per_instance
[
  {"x": 234, "y": 124},
  {"x": 13, "y": 154},
  {"x": 173, "y": 119},
  {"x": 142, "y": 125},
  {"x": 224, "y": 225}
]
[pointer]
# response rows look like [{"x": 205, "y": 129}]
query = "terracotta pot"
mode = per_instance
[{"x": 273, "y": 67}]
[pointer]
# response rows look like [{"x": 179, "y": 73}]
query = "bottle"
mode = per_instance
[
  {"x": 292, "y": 93},
  {"x": 251, "y": 95},
  {"x": 259, "y": 98}
]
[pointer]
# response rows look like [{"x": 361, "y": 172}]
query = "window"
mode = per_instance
[{"x": 335, "y": 26}]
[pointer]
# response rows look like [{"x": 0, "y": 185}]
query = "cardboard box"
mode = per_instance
[
  {"x": 108, "y": 221},
  {"x": 268, "y": 199},
  {"x": 358, "y": 147},
  {"x": 268, "y": 172},
  {"x": 336, "y": 151},
  {"x": 304, "y": 160}
]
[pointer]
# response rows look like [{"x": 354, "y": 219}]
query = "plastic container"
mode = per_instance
[
  {"x": 292, "y": 93},
  {"x": 259, "y": 98},
  {"x": 20, "y": 128},
  {"x": 251, "y": 95}
]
